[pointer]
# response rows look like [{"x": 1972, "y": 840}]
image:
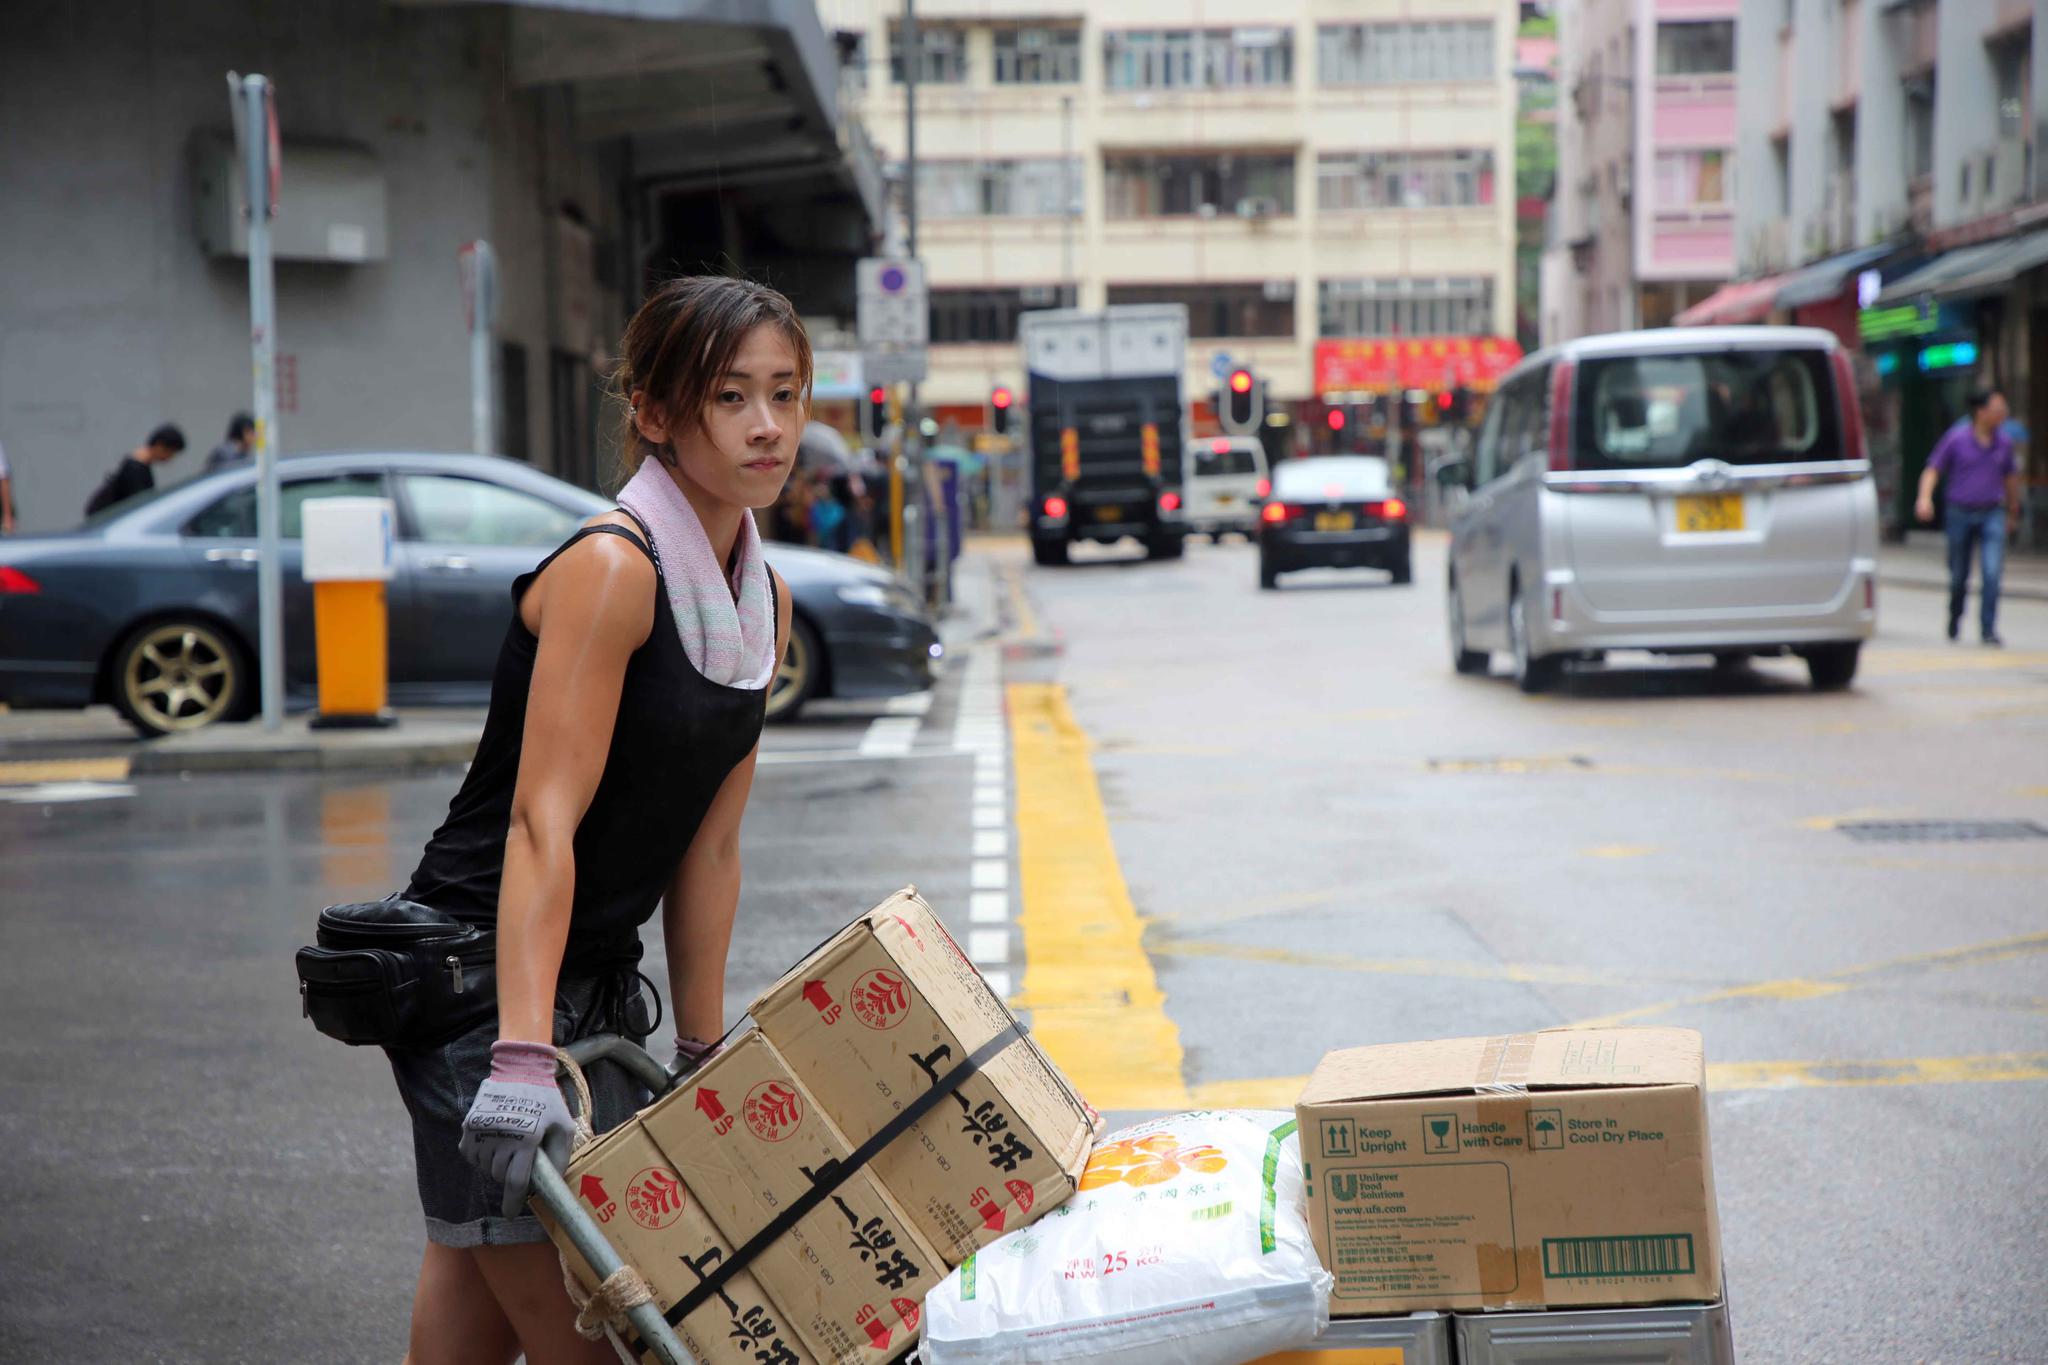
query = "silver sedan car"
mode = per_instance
[{"x": 1687, "y": 491}]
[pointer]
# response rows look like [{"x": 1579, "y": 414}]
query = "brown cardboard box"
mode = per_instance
[
  {"x": 1554, "y": 1169},
  {"x": 657, "y": 1226},
  {"x": 872, "y": 1019},
  {"x": 747, "y": 1137}
]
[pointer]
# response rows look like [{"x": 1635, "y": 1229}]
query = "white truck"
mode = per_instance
[{"x": 1107, "y": 427}]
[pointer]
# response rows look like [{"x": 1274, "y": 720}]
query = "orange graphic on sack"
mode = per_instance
[{"x": 1152, "y": 1160}]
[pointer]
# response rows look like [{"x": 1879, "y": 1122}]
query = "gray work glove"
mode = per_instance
[{"x": 518, "y": 1111}]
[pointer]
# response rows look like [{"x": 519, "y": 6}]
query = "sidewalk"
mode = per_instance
[{"x": 1922, "y": 562}]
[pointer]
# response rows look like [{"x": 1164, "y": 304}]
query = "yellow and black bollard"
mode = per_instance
[{"x": 348, "y": 562}]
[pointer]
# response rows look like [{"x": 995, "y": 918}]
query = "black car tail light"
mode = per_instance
[{"x": 15, "y": 581}]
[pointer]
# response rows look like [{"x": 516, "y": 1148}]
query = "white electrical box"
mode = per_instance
[
  {"x": 347, "y": 540},
  {"x": 331, "y": 202}
]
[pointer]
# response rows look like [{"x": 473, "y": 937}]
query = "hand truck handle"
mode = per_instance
[{"x": 551, "y": 1192}]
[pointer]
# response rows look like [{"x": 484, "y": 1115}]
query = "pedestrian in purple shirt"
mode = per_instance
[{"x": 1975, "y": 458}]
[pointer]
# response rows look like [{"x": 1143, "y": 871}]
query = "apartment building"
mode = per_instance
[
  {"x": 1890, "y": 192},
  {"x": 1644, "y": 213},
  {"x": 1312, "y": 180}
]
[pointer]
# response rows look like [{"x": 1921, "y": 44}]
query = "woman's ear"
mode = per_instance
[{"x": 649, "y": 420}]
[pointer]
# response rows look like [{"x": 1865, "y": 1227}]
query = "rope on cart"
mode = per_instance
[{"x": 625, "y": 1288}]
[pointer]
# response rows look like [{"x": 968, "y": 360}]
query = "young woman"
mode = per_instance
[{"x": 611, "y": 777}]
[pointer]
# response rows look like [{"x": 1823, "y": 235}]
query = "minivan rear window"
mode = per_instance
[
  {"x": 1742, "y": 407},
  {"x": 1211, "y": 462}
]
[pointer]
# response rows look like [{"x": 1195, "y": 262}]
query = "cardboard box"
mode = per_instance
[
  {"x": 657, "y": 1226},
  {"x": 873, "y": 1019},
  {"x": 747, "y": 1136},
  {"x": 1546, "y": 1170}
]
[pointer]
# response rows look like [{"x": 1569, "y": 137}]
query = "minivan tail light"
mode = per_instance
[
  {"x": 1561, "y": 415},
  {"x": 1870, "y": 592},
  {"x": 1851, "y": 410},
  {"x": 1265, "y": 488},
  {"x": 15, "y": 581}
]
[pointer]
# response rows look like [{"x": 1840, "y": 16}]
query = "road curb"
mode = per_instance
[
  {"x": 2023, "y": 592},
  {"x": 403, "y": 755}
]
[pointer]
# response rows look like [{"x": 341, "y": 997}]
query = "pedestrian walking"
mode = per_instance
[
  {"x": 6, "y": 495},
  {"x": 614, "y": 767},
  {"x": 239, "y": 445},
  {"x": 1975, "y": 459},
  {"x": 136, "y": 472}
]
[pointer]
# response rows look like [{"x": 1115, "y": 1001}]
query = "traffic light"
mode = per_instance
[
  {"x": 999, "y": 405},
  {"x": 878, "y": 412},
  {"x": 1336, "y": 419},
  {"x": 1244, "y": 404}
]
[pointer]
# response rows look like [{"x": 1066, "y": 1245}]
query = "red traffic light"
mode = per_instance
[
  {"x": 878, "y": 395},
  {"x": 1001, "y": 398},
  {"x": 1336, "y": 419},
  {"x": 1240, "y": 381},
  {"x": 1443, "y": 400}
]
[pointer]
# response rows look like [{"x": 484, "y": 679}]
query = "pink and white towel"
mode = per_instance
[{"x": 727, "y": 624}]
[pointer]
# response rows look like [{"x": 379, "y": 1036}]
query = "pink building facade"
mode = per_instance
[{"x": 1684, "y": 217}]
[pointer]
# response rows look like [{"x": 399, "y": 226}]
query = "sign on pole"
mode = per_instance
[
  {"x": 894, "y": 319},
  {"x": 258, "y": 140}
]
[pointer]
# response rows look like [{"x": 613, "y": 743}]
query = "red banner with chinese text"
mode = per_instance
[{"x": 1347, "y": 365}]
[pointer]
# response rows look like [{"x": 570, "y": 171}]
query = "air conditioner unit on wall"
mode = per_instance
[{"x": 331, "y": 203}]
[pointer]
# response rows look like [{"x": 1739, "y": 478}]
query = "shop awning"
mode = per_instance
[
  {"x": 1743, "y": 301},
  {"x": 1823, "y": 280},
  {"x": 1970, "y": 269}
]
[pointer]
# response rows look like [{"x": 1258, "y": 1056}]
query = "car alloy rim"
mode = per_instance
[
  {"x": 789, "y": 675},
  {"x": 178, "y": 677}
]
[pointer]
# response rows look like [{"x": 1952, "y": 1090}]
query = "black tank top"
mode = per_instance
[{"x": 677, "y": 737}]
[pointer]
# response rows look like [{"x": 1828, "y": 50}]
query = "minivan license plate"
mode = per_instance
[{"x": 1710, "y": 512}]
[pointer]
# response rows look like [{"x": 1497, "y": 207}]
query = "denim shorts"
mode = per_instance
[{"x": 464, "y": 1207}]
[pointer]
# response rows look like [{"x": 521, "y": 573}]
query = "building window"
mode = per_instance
[
  {"x": 1693, "y": 179},
  {"x": 1392, "y": 54},
  {"x": 1038, "y": 56},
  {"x": 1138, "y": 185},
  {"x": 942, "y": 54},
  {"x": 1451, "y": 306},
  {"x": 1920, "y": 130},
  {"x": 966, "y": 316},
  {"x": 1032, "y": 188},
  {"x": 1221, "y": 310},
  {"x": 1198, "y": 59},
  {"x": 1696, "y": 49},
  {"x": 853, "y": 61},
  {"x": 1403, "y": 180}
]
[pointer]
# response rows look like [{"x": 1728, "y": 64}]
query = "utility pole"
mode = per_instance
[
  {"x": 255, "y": 116},
  {"x": 480, "y": 302},
  {"x": 1072, "y": 286},
  {"x": 912, "y": 431}
]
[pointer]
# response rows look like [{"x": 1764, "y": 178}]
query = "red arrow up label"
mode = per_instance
[
  {"x": 820, "y": 1000},
  {"x": 593, "y": 1193},
  {"x": 708, "y": 1105}
]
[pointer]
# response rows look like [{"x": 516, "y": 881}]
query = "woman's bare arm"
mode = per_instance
[
  {"x": 704, "y": 894},
  {"x": 592, "y": 608}
]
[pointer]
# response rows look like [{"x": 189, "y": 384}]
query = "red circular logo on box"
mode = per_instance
[
  {"x": 656, "y": 1198},
  {"x": 880, "y": 998},
  {"x": 773, "y": 1111}
]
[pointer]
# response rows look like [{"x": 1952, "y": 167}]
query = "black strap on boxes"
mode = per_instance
[{"x": 833, "y": 1174}]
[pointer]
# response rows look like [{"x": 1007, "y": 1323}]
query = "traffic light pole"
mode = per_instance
[
  {"x": 912, "y": 459},
  {"x": 251, "y": 101}
]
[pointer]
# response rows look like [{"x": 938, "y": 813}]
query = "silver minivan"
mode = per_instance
[
  {"x": 1698, "y": 490},
  {"x": 1226, "y": 482}
]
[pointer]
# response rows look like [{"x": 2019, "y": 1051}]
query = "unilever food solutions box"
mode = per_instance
[{"x": 1566, "y": 1168}]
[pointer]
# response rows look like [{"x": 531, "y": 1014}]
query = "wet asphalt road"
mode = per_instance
[{"x": 1333, "y": 841}]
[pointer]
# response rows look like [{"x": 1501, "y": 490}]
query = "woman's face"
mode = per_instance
[{"x": 743, "y": 449}]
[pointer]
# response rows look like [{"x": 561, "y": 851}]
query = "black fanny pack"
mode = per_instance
[{"x": 397, "y": 974}]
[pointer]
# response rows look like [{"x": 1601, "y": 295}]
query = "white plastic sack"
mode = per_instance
[{"x": 1187, "y": 1245}]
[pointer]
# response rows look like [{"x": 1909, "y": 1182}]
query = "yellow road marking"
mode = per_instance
[
  {"x": 1528, "y": 973},
  {"x": 1619, "y": 851},
  {"x": 1095, "y": 1002},
  {"x": 27, "y": 772},
  {"x": 1280, "y": 1092},
  {"x": 1023, "y": 620},
  {"x": 1833, "y": 983}
]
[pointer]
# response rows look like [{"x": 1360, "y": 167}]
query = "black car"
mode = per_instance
[
  {"x": 1333, "y": 512},
  {"x": 151, "y": 605}
]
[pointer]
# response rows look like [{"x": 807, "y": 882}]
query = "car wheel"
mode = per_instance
[
  {"x": 1832, "y": 667},
  {"x": 1466, "y": 661},
  {"x": 1049, "y": 553},
  {"x": 796, "y": 678},
  {"x": 173, "y": 676},
  {"x": 1404, "y": 572},
  {"x": 1166, "y": 547},
  {"x": 1269, "y": 577},
  {"x": 1533, "y": 673}
]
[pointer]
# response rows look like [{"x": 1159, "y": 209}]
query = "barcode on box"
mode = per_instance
[{"x": 1591, "y": 1258}]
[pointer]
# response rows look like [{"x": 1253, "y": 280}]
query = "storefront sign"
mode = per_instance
[
  {"x": 1348, "y": 365},
  {"x": 1906, "y": 320}
]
